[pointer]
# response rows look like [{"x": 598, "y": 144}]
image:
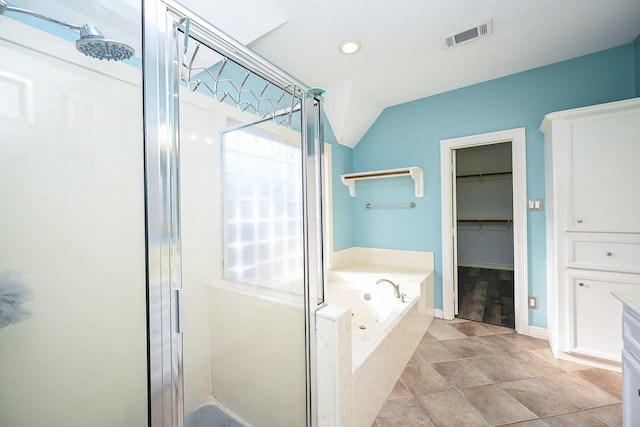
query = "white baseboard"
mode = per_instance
[
  {"x": 590, "y": 361},
  {"x": 532, "y": 331},
  {"x": 537, "y": 332}
]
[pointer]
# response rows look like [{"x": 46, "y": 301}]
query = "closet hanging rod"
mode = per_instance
[
  {"x": 480, "y": 175},
  {"x": 391, "y": 205},
  {"x": 506, "y": 221}
]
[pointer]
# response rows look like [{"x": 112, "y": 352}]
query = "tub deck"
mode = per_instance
[{"x": 360, "y": 371}]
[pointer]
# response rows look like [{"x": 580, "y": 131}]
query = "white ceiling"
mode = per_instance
[{"x": 402, "y": 56}]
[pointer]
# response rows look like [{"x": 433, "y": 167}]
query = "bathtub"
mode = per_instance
[
  {"x": 366, "y": 336},
  {"x": 374, "y": 312}
]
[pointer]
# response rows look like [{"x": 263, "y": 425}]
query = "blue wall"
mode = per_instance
[
  {"x": 341, "y": 163},
  {"x": 409, "y": 135}
]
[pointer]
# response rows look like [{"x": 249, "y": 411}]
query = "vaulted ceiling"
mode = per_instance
[{"x": 403, "y": 57}]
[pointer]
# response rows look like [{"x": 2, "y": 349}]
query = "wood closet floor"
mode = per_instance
[{"x": 486, "y": 295}]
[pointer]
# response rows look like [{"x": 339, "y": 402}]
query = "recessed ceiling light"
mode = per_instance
[{"x": 349, "y": 47}]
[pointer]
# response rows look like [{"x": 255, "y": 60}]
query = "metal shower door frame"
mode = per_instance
[{"x": 161, "y": 70}]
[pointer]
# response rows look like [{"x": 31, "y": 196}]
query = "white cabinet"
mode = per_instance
[
  {"x": 596, "y": 317},
  {"x": 592, "y": 168}
]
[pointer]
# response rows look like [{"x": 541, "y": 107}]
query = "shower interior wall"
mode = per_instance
[
  {"x": 235, "y": 351},
  {"x": 73, "y": 233}
]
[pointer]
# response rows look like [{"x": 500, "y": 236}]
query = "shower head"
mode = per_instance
[{"x": 91, "y": 42}]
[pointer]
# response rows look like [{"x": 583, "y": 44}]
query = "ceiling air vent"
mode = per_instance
[{"x": 466, "y": 36}]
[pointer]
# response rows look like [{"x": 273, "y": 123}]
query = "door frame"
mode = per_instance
[{"x": 520, "y": 258}]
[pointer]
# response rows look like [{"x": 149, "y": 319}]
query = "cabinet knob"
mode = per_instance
[
  {"x": 580, "y": 284},
  {"x": 580, "y": 221},
  {"x": 609, "y": 253}
]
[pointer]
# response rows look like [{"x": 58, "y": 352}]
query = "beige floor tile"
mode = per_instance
[
  {"x": 496, "y": 405},
  {"x": 532, "y": 423},
  {"x": 498, "y": 329},
  {"x": 538, "y": 398},
  {"x": 499, "y": 367},
  {"x": 404, "y": 411},
  {"x": 578, "y": 390},
  {"x": 435, "y": 352},
  {"x": 445, "y": 332},
  {"x": 608, "y": 381},
  {"x": 450, "y": 409},
  {"x": 455, "y": 320},
  {"x": 455, "y": 366},
  {"x": 416, "y": 359},
  {"x": 423, "y": 379},
  {"x": 577, "y": 419},
  {"x": 536, "y": 365},
  {"x": 497, "y": 343},
  {"x": 467, "y": 347},
  {"x": 610, "y": 415},
  {"x": 399, "y": 390},
  {"x": 472, "y": 329},
  {"x": 404, "y": 422},
  {"x": 526, "y": 343},
  {"x": 428, "y": 338},
  {"x": 565, "y": 365},
  {"x": 460, "y": 373}
]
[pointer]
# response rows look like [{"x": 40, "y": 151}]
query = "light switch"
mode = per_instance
[{"x": 534, "y": 204}]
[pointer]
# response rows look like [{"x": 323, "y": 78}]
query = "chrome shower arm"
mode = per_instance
[{"x": 4, "y": 7}]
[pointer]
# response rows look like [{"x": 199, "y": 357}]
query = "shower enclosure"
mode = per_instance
[
  {"x": 233, "y": 165},
  {"x": 161, "y": 255}
]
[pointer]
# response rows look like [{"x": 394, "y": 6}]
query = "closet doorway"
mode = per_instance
[
  {"x": 484, "y": 219},
  {"x": 484, "y": 227}
]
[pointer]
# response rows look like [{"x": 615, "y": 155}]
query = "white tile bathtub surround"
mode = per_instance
[
  {"x": 379, "y": 355},
  {"x": 333, "y": 334},
  {"x": 375, "y": 378},
  {"x": 388, "y": 257}
]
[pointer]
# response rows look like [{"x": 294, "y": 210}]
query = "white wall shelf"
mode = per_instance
[{"x": 414, "y": 172}]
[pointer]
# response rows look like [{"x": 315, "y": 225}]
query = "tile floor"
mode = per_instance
[{"x": 468, "y": 374}]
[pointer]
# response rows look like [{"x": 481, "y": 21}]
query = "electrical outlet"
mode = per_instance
[{"x": 533, "y": 302}]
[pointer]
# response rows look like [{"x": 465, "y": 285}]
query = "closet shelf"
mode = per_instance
[{"x": 414, "y": 172}]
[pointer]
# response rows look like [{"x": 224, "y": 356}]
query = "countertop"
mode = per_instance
[
  {"x": 629, "y": 299},
  {"x": 377, "y": 271}
]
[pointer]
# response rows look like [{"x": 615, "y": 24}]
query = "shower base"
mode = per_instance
[{"x": 211, "y": 415}]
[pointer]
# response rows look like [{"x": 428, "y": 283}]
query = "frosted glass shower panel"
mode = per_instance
[{"x": 73, "y": 229}]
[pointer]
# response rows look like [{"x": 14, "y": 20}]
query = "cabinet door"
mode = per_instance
[
  {"x": 604, "y": 173},
  {"x": 597, "y": 315},
  {"x": 630, "y": 390}
]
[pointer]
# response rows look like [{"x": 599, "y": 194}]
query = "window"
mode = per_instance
[{"x": 262, "y": 207}]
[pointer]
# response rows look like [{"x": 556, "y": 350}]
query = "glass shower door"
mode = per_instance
[{"x": 244, "y": 252}]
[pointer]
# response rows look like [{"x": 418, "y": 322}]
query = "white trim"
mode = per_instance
[
  {"x": 518, "y": 149},
  {"x": 437, "y": 313},
  {"x": 327, "y": 203},
  {"x": 537, "y": 332}
]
